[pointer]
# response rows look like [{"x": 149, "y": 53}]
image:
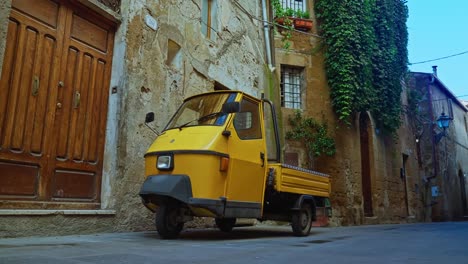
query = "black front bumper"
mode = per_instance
[{"x": 159, "y": 187}]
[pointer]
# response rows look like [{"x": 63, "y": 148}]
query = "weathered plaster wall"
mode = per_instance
[
  {"x": 344, "y": 168},
  {"x": 234, "y": 59},
  {"x": 5, "y": 7},
  {"x": 442, "y": 163},
  {"x": 452, "y": 157}
]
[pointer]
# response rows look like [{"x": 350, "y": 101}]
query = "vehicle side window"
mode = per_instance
[{"x": 247, "y": 121}]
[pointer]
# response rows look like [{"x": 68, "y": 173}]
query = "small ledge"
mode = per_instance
[{"x": 20, "y": 212}]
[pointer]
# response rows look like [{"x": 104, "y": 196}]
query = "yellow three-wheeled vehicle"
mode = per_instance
[{"x": 211, "y": 160}]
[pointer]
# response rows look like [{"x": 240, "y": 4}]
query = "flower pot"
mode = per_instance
[
  {"x": 279, "y": 20},
  {"x": 303, "y": 24},
  {"x": 283, "y": 20}
]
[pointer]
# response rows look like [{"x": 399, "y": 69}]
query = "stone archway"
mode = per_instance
[{"x": 364, "y": 132}]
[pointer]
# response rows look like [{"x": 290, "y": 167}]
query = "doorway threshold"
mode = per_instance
[{"x": 21, "y": 212}]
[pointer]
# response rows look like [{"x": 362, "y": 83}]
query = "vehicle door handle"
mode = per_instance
[{"x": 262, "y": 157}]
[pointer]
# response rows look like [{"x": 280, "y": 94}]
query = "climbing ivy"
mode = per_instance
[
  {"x": 312, "y": 134},
  {"x": 365, "y": 56}
]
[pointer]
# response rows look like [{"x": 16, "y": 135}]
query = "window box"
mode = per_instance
[{"x": 302, "y": 24}]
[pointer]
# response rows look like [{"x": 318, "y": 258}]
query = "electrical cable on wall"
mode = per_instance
[{"x": 441, "y": 58}]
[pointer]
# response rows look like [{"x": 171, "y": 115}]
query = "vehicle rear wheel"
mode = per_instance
[
  {"x": 225, "y": 224},
  {"x": 301, "y": 221},
  {"x": 166, "y": 221}
]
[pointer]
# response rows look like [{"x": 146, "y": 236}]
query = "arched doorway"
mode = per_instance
[
  {"x": 462, "y": 192},
  {"x": 364, "y": 124}
]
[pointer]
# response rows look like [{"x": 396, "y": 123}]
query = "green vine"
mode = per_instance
[
  {"x": 286, "y": 16},
  {"x": 365, "y": 56},
  {"x": 312, "y": 134}
]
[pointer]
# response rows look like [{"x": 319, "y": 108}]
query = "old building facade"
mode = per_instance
[
  {"x": 78, "y": 77},
  {"x": 442, "y": 153},
  {"x": 375, "y": 176}
]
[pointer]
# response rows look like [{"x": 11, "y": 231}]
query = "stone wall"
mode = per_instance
[
  {"x": 5, "y": 7},
  {"x": 442, "y": 161},
  {"x": 164, "y": 66}
]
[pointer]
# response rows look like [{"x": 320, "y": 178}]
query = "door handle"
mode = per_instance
[
  {"x": 35, "y": 86},
  {"x": 262, "y": 157},
  {"x": 77, "y": 100}
]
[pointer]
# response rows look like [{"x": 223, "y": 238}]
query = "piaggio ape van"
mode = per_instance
[{"x": 219, "y": 156}]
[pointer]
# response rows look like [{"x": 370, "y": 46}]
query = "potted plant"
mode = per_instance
[
  {"x": 284, "y": 18},
  {"x": 302, "y": 21}
]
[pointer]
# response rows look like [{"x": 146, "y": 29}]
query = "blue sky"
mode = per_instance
[{"x": 438, "y": 29}]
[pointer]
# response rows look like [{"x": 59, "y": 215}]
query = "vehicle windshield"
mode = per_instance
[{"x": 202, "y": 110}]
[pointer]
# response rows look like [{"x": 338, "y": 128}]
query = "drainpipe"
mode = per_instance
[
  {"x": 433, "y": 137},
  {"x": 266, "y": 31}
]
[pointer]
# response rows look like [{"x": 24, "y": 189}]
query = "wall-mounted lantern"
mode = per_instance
[{"x": 442, "y": 122}]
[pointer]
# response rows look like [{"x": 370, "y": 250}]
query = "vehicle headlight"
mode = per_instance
[{"x": 165, "y": 162}]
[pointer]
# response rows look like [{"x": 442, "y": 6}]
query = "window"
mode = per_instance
[
  {"x": 247, "y": 122},
  {"x": 294, "y": 4},
  {"x": 291, "y": 87},
  {"x": 201, "y": 110},
  {"x": 209, "y": 23}
]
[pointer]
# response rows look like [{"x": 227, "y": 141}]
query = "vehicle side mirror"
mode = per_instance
[
  {"x": 231, "y": 107},
  {"x": 149, "y": 117}
]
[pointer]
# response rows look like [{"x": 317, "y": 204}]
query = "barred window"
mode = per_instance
[
  {"x": 291, "y": 86},
  {"x": 294, "y": 4}
]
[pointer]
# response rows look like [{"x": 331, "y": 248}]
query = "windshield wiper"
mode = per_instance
[{"x": 200, "y": 119}]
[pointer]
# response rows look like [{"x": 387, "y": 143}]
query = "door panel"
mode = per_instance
[
  {"x": 45, "y": 82},
  {"x": 31, "y": 58},
  {"x": 21, "y": 180},
  {"x": 89, "y": 33},
  {"x": 246, "y": 145},
  {"x": 53, "y": 99},
  {"x": 44, "y": 11},
  {"x": 75, "y": 185},
  {"x": 81, "y": 120}
]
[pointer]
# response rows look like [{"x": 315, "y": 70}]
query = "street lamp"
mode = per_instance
[{"x": 442, "y": 122}]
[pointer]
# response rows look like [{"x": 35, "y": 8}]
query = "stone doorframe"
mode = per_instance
[{"x": 5, "y": 9}]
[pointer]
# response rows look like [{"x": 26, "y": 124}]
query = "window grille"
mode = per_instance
[
  {"x": 294, "y": 4},
  {"x": 291, "y": 87}
]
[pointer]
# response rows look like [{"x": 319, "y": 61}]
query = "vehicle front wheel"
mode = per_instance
[
  {"x": 301, "y": 221},
  {"x": 225, "y": 224},
  {"x": 166, "y": 221}
]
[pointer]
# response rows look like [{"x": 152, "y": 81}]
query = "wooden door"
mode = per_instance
[
  {"x": 53, "y": 105},
  {"x": 364, "y": 128}
]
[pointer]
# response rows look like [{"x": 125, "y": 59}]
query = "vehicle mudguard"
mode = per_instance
[
  {"x": 177, "y": 186},
  {"x": 305, "y": 199}
]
